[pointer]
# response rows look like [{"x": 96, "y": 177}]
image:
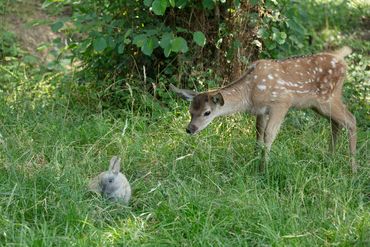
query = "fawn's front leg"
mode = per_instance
[{"x": 276, "y": 118}]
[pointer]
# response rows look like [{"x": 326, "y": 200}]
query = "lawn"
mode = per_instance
[
  {"x": 187, "y": 191},
  {"x": 58, "y": 131}
]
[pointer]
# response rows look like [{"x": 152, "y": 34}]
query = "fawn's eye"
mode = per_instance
[{"x": 207, "y": 113}]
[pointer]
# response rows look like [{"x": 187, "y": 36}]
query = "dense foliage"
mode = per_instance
[{"x": 169, "y": 37}]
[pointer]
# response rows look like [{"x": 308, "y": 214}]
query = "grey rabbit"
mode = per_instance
[{"x": 112, "y": 184}]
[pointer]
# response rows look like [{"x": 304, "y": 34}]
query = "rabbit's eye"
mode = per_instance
[{"x": 110, "y": 180}]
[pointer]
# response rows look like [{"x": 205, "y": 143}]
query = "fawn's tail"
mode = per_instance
[{"x": 342, "y": 52}]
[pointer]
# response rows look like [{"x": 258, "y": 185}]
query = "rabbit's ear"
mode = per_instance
[{"x": 115, "y": 164}]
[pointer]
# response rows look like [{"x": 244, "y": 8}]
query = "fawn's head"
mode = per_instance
[{"x": 203, "y": 109}]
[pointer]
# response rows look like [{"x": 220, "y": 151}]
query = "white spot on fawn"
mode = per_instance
[
  {"x": 333, "y": 63},
  {"x": 270, "y": 77},
  {"x": 281, "y": 82},
  {"x": 330, "y": 71},
  {"x": 261, "y": 87},
  {"x": 255, "y": 77},
  {"x": 303, "y": 91}
]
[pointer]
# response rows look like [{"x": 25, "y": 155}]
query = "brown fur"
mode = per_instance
[{"x": 271, "y": 87}]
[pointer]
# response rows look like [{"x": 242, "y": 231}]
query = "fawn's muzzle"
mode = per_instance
[{"x": 191, "y": 129}]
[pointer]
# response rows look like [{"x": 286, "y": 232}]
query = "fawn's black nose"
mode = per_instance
[{"x": 191, "y": 129}]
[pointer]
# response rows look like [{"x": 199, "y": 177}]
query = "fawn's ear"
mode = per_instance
[
  {"x": 115, "y": 165},
  {"x": 218, "y": 99},
  {"x": 185, "y": 94}
]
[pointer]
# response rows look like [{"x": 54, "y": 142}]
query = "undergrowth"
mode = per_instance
[
  {"x": 57, "y": 132},
  {"x": 196, "y": 191}
]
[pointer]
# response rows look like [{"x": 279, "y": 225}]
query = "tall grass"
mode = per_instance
[{"x": 187, "y": 191}]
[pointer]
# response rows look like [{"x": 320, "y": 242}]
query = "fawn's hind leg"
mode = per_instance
[
  {"x": 261, "y": 122},
  {"x": 339, "y": 114}
]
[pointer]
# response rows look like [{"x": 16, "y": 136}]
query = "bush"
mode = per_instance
[
  {"x": 8, "y": 45},
  {"x": 147, "y": 44}
]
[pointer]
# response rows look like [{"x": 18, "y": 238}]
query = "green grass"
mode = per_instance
[
  {"x": 213, "y": 196},
  {"x": 187, "y": 191}
]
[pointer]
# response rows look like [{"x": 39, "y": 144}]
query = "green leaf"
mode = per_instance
[
  {"x": 111, "y": 42},
  {"x": 128, "y": 33},
  {"x": 167, "y": 51},
  {"x": 271, "y": 45},
  {"x": 127, "y": 41},
  {"x": 165, "y": 41},
  {"x": 151, "y": 32},
  {"x": 275, "y": 30},
  {"x": 120, "y": 48},
  {"x": 208, "y": 4},
  {"x": 296, "y": 26},
  {"x": 179, "y": 45},
  {"x": 100, "y": 44},
  {"x": 296, "y": 41},
  {"x": 56, "y": 26},
  {"x": 237, "y": 3},
  {"x": 149, "y": 45},
  {"x": 84, "y": 45},
  {"x": 148, "y": 3},
  {"x": 281, "y": 38},
  {"x": 181, "y": 3},
  {"x": 172, "y": 3},
  {"x": 159, "y": 6},
  {"x": 263, "y": 33},
  {"x": 199, "y": 38},
  {"x": 181, "y": 30},
  {"x": 139, "y": 40}
]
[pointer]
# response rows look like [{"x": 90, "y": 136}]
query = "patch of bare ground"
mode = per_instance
[{"x": 23, "y": 18}]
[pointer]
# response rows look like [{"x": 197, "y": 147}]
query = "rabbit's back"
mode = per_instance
[{"x": 124, "y": 191}]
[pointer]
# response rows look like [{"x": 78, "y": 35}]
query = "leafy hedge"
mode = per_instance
[{"x": 172, "y": 38}]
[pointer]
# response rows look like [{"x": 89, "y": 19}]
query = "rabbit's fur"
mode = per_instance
[{"x": 112, "y": 184}]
